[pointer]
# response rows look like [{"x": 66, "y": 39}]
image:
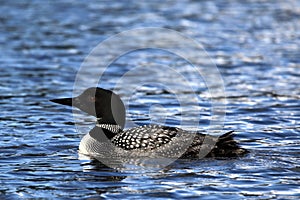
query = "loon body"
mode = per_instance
[{"x": 143, "y": 140}]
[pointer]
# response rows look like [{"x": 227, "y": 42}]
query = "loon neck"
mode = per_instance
[
  {"x": 113, "y": 128},
  {"x": 109, "y": 131},
  {"x": 109, "y": 127}
]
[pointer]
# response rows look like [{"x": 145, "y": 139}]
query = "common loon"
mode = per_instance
[{"x": 110, "y": 112}]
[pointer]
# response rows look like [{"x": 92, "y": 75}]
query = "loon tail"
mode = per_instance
[{"x": 226, "y": 146}]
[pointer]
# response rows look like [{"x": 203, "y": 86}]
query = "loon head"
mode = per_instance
[{"x": 103, "y": 104}]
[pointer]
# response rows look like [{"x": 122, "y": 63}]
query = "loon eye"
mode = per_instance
[{"x": 91, "y": 99}]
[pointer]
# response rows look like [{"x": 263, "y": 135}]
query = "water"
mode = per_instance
[{"x": 255, "y": 45}]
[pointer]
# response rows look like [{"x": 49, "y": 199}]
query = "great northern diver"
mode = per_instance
[{"x": 110, "y": 112}]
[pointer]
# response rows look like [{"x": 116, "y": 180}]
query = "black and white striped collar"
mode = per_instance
[{"x": 111, "y": 127}]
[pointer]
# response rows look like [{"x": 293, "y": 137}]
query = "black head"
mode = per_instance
[{"x": 101, "y": 103}]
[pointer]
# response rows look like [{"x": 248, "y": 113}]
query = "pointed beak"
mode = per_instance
[{"x": 64, "y": 101}]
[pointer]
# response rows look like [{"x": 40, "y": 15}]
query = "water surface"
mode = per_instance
[{"x": 255, "y": 45}]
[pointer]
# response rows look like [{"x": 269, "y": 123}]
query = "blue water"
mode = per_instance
[{"x": 256, "y": 46}]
